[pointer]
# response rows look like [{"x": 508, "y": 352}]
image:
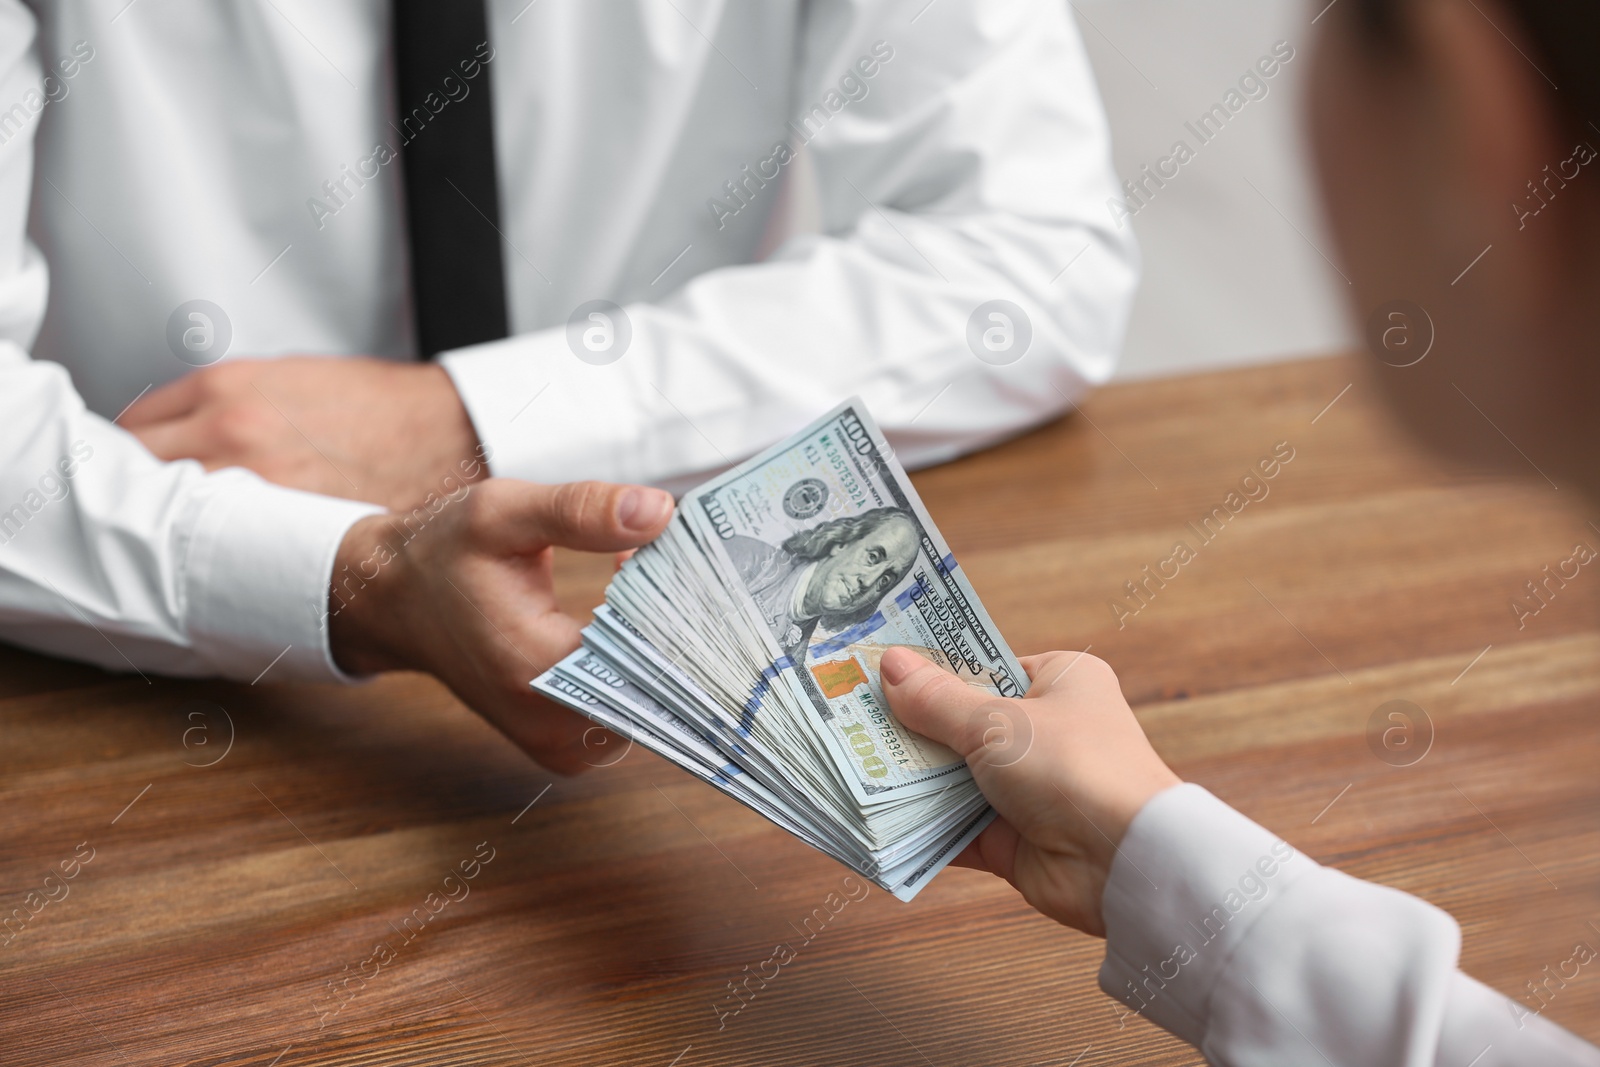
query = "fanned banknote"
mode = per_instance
[{"x": 743, "y": 645}]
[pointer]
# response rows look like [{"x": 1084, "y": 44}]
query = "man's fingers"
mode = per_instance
[
  {"x": 590, "y": 516},
  {"x": 168, "y": 402},
  {"x": 934, "y": 702},
  {"x": 555, "y": 736},
  {"x": 179, "y": 439}
]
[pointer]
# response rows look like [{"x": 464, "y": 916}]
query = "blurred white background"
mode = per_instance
[{"x": 1232, "y": 268}]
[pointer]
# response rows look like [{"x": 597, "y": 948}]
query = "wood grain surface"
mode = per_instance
[{"x": 268, "y": 873}]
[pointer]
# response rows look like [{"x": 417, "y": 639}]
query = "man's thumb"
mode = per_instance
[
  {"x": 935, "y": 703},
  {"x": 590, "y": 516}
]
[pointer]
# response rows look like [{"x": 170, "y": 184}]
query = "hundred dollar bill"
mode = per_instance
[
  {"x": 830, "y": 554},
  {"x": 744, "y": 644}
]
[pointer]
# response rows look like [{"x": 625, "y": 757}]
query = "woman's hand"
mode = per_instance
[
  {"x": 468, "y": 596},
  {"x": 1067, "y": 767}
]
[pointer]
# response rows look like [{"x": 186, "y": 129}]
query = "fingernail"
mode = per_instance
[
  {"x": 643, "y": 509},
  {"x": 897, "y": 665}
]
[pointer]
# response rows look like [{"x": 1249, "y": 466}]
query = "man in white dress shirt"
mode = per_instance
[{"x": 204, "y": 222}]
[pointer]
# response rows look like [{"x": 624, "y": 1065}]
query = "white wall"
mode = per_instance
[{"x": 1232, "y": 271}]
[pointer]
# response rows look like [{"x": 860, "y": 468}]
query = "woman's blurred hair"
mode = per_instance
[{"x": 1560, "y": 38}]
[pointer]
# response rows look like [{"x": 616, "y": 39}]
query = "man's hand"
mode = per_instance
[
  {"x": 468, "y": 597},
  {"x": 1067, "y": 767},
  {"x": 366, "y": 429}
]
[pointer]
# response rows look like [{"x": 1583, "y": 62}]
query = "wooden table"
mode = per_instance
[{"x": 231, "y": 912}]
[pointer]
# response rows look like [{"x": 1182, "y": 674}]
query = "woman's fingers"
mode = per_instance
[{"x": 934, "y": 702}]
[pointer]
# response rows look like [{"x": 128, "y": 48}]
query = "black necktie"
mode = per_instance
[{"x": 446, "y": 126}]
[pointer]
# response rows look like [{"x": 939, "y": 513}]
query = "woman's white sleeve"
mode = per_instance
[{"x": 1222, "y": 933}]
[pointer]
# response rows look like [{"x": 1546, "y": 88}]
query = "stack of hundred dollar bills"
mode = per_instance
[{"x": 743, "y": 645}]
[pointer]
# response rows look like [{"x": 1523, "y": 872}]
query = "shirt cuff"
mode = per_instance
[
  {"x": 257, "y": 567},
  {"x": 1189, "y": 880},
  {"x": 546, "y": 416}
]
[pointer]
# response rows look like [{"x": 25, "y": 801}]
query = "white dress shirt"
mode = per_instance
[
  {"x": 1225, "y": 935},
  {"x": 159, "y": 152}
]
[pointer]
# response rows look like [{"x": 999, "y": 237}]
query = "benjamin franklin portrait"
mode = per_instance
[{"x": 833, "y": 574}]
